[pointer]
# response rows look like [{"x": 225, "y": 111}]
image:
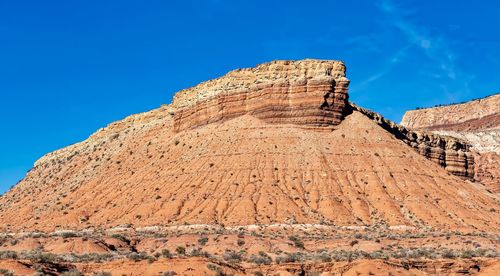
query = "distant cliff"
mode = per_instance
[
  {"x": 477, "y": 122},
  {"x": 478, "y": 114}
]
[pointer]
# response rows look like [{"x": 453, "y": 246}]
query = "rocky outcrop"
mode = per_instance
[
  {"x": 450, "y": 153},
  {"x": 477, "y": 122},
  {"x": 474, "y": 115},
  {"x": 246, "y": 149},
  {"x": 307, "y": 93}
]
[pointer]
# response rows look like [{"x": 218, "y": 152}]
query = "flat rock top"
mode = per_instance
[
  {"x": 271, "y": 73},
  {"x": 452, "y": 114}
]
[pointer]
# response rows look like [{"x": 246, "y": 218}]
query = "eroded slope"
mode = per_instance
[
  {"x": 245, "y": 171},
  {"x": 477, "y": 122},
  {"x": 241, "y": 168}
]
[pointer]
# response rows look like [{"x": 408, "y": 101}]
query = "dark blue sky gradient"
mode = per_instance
[{"x": 68, "y": 68}]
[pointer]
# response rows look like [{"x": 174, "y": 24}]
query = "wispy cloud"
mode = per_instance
[
  {"x": 388, "y": 66},
  {"x": 434, "y": 46}
]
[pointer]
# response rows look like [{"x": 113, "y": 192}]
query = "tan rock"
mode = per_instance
[
  {"x": 204, "y": 161},
  {"x": 478, "y": 123}
]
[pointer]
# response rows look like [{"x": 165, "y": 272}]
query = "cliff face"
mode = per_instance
[
  {"x": 308, "y": 93},
  {"x": 477, "y": 122},
  {"x": 449, "y": 152},
  {"x": 479, "y": 114},
  {"x": 278, "y": 143}
]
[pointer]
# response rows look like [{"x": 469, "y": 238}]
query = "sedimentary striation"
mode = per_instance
[
  {"x": 308, "y": 93},
  {"x": 477, "y": 122},
  {"x": 449, "y": 152},
  {"x": 278, "y": 143},
  {"x": 478, "y": 114}
]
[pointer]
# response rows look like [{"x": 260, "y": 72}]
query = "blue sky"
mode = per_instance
[{"x": 68, "y": 68}]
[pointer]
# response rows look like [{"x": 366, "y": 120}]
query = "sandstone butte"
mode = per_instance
[
  {"x": 278, "y": 146},
  {"x": 271, "y": 144},
  {"x": 477, "y": 122}
]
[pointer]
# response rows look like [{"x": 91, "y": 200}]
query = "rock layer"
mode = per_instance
[
  {"x": 477, "y": 122},
  {"x": 308, "y": 93},
  {"x": 450, "y": 153},
  {"x": 455, "y": 116},
  {"x": 258, "y": 165}
]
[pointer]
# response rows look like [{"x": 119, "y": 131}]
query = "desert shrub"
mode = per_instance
[
  {"x": 72, "y": 272},
  {"x": 68, "y": 234},
  {"x": 121, "y": 238},
  {"x": 6, "y": 272},
  {"x": 290, "y": 258},
  {"x": 240, "y": 242},
  {"x": 8, "y": 255},
  {"x": 379, "y": 255},
  {"x": 197, "y": 252},
  {"x": 88, "y": 257},
  {"x": 472, "y": 253},
  {"x": 467, "y": 254},
  {"x": 323, "y": 257},
  {"x": 296, "y": 242},
  {"x": 232, "y": 256},
  {"x": 101, "y": 273},
  {"x": 343, "y": 255},
  {"x": 448, "y": 254},
  {"x": 138, "y": 256},
  {"x": 169, "y": 273},
  {"x": 165, "y": 253},
  {"x": 217, "y": 269},
  {"x": 358, "y": 236},
  {"x": 180, "y": 250},
  {"x": 353, "y": 242},
  {"x": 41, "y": 257},
  {"x": 255, "y": 234},
  {"x": 260, "y": 259},
  {"x": 203, "y": 241},
  {"x": 151, "y": 259}
]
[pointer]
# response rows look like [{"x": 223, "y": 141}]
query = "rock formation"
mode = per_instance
[
  {"x": 474, "y": 115},
  {"x": 308, "y": 93},
  {"x": 275, "y": 144},
  {"x": 477, "y": 122},
  {"x": 450, "y": 153}
]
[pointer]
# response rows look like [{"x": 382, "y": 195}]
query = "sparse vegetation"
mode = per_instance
[
  {"x": 6, "y": 272},
  {"x": 290, "y": 258},
  {"x": 165, "y": 253},
  {"x": 260, "y": 259},
  {"x": 203, "y": 241},
  {"x": 102, "y": 273},
  {"x": 214, "y": 267},
  {"x": 232, "y": 256},
  {"x": 388, "y": 240},
  {"x": 121, "y": 238},
  {"x": 296, "y": 242},
  {"x": 72, "y": 272},
  {"x": 138, "y": 256},
  {"x": 8, "y": 255},
  {"x": 180, "y": 250}
]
